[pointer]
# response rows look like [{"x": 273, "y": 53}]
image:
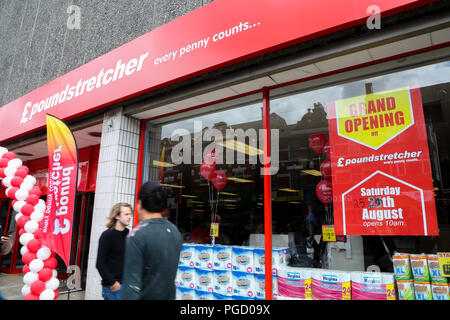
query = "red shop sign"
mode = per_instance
[
  {"x": 382, "y": 183},
  {"x": 214, "y": 36}
]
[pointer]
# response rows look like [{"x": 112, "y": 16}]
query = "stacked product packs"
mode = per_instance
[
  {"x": 222, "y": 272},
  {"x": 418, "y": 277}
]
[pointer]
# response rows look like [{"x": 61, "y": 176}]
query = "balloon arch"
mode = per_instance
[{"x": 40, "y": 277}]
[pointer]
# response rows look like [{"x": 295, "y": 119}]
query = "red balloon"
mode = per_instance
[
  {"x": 22, "y": 220},
  {"x": 45, "y": 274},
  {"x": 207, "y": 170},
  {"x": 37, "y": 287},
  {"x": 12, "y": 192},
  {"x": 56, "y": 294},
  {"x": 210, "y": 157},
  {"x": 34, "y": 245},
  {"x": 32, "y": 199},
  {"x": 36, "y": 191},
  {"x": 22, "y": 231},
  {"x": 324, "y": 191},
  {"x": 317, "y": 142},
  {"x": 325, "y": 169},
  {"x": 28, "y": 257},
  {"x": 25, "y": 269},
  {"x": 4, "y": 162},
  {"x": 24, "y": 168},
  {"x": 27, "y": 209},
  {"x": 31, "y": 296},
  {"x": 21, "y": 173},
  {"x": 326, "y": 149},
  {"x": 50, "y": 263},
  {"x": 9, "y": 156},
  {"x": 220, "y": 180},
  {"x": 16, "y": 182},
  {"x": 2, "y": 173},
  {"x": 38, "y": 233}
]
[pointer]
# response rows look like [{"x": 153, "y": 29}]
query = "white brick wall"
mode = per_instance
[{"x": 116, "y": 182}]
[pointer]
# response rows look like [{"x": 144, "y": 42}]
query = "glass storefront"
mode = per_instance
[{"x": 177, "y": 146}]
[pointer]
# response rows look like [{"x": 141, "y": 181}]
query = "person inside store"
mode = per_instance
[
  {"x": 152, "y": 249},
  {"x": 111, "y": 250},
  {"x": 5, "y": 248},
  {"x": 200, "y": 233}
]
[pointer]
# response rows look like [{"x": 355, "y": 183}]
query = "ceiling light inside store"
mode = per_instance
[
  {"x": 230, "y": 200},
  {"x": 229, "y": 194},
  {"x": 163, "y": 164},
  {"x": 188, "y": 196},
  {"x": 240, "y": 180},
  {"x": 171, "y": 186},
  {"x": 241, "y": 147},
  {"x": 294, "y": 202},
  {"x": 312, "y": 172},
  {"x": 288, "y": 190}
]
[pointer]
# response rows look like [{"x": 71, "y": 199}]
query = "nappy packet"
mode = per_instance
[
  {"x": 419, "y": 267},
  {"x": 435, "y": 270},
  {"x": 402, "y": 266},
  {"x": 405, "y": 289}
]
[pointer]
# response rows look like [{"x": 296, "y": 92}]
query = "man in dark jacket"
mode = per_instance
[{"x": 152, "y": 250}]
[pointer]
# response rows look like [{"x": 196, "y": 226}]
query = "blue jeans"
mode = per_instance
[{"x": 111, "y": 295}]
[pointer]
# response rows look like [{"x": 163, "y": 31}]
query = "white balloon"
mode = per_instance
[
  {"x": 43, "y": 253},
  {"x": 31, "y": 179},
  {"x": 40, "y": 206},
  {"x": 26, "y": 290},
  {"x": 41, "y": 203},
  {"x": 18, "y": 215},
  {"x": 30, "y": 277},
  {"x": 10, "y": 171},
  {"x": 23, "y": 250},
  {"x": 37, "y": 216},
  {"x": 25, "y": 238},
  {"x": 52, "y": 284},
  {"x": 7, "y": 190},
  {"x": 7, "y": 181},
  {"x": 55, "y": 273},
  {"x": 21, "y": 194},
  {"x": 36, "y": 265},
  {"x": 26, "y": 185},
  {"x": 18, "y": 205},
  {"x": 31, "y": 226},
  {"x": 3, "y": 151},
  {"x": 47, "y": 294},
  {"x": 15, "y": 163}
]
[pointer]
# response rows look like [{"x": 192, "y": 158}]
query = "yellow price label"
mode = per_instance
[
  {"x": 308, "y": 289},
  {"x": 328, "y": 233},
  {"x": 346, "y": 291},
  {"x": 390, "y": 292},
  {"x": 214, "y": 230},
  {"x": 444, "y": 263}
]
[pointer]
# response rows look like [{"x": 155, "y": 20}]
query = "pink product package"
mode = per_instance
[
  {"x": 372, "y": 286},
  {"x": 326, "y": 291},
  {"x": 293, "y": 289},
  {"x": 363, "y": 292}
]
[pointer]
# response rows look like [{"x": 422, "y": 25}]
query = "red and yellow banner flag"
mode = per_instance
[{"x": 62, "y": 188}]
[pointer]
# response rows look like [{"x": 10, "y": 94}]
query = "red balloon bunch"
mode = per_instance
[
  {"x": 40, "y": 262},
  {"x": 208, "y": 171},
  {"x": 319, "y": 143}
]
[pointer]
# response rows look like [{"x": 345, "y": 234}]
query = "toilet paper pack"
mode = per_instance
[
  {"x": 373, "y": 286},
  {"x": 243, "y": 284},
  {"x": 222, "y": 257},
  {"x": 218, "y": 296},
  {"x": 242, "y": 259},
  {"x": 435, "y": 270},
  {"x": 260, "y": 287},
  {"x": 405, "y": 289},
  {"x": 331, "y": 285},
  {"x": 402, "y": 266},
  {"x": 185, "y": 277},
  {"x": 204, "y": 280},
  {"x": 440, "y": 291},
  {"x": 280, "y": 258},
  {"x": 419, "y": 267},
  {"x": 184, "y": 294},
  {"x": 203, "y": 256},
  {"x": 223, "y": 282},
  {"x": 295, "y": 283},
  {"x": 187, "y": 255},
  {"x": 202, "y": 295}
]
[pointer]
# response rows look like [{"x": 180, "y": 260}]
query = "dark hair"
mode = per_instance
[{"x": 153, "y": 197}]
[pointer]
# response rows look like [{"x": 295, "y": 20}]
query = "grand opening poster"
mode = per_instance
[
  {"x": 382, "y": 182},
  {"x": 62, "y": 186}
]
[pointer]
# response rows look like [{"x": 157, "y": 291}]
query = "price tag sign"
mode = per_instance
[
  {"x": 444, "y": 263},
  {"x": 214, "y": 230},
  {"x": 328, "y": 233}
]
